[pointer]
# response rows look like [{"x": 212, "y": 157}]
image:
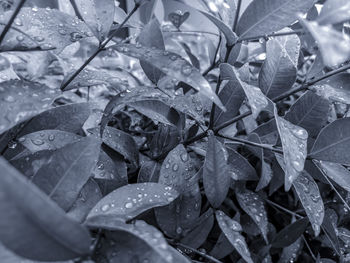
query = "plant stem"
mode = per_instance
[
  {"x": 76, "y": 9},
  {"x": 309, "y": 248},
  {"x": 296, "y": 32},
  {"x": 238, "y": 10},
  {"x": 101, "y": 47},
  {"x": 9, "y": 23},
  {"x": 283, "y": 208},
  {"x": 198, "y": 252}
]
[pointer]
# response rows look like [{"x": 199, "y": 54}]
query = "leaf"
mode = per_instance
[
  {"x": 173, "y": 65},
  {"x": 98, "y": 15},
  {"x": 177, "y": 18},
  {"x": 68, "y": 171},
  {"x": 254, "y": 206},
  {"x": 332, "y": 44},
  {"x": 292, "y": 252},
  {"x": 279, "y": 70},
  {"x": 256, "y": 98},
  {"x": 329, "y": 224},
  {"x": 231, "y": 229},
  {"x": 46, "y": 28},
  {"x": 309, "y": 112},
  {"x": 230, "y": 36},
  {"x": 333, "y": 142},
  {"x": 194, "y": 60},
  {"x": 22, "y": 100},
  {"x": 332, "y": 93},
  {"x": 239, "y": 168},
  {"x": 334, "y": 12},
  {"x": 216, "y": 178},
  {"x": 294, "y": 145},
  {"x": 122, "y": 143},
  {"x": 6, "y": 70},
  {"x": 151, "y": 36},
  {"x": 310, "y": 198},
  {"x": 149, "y": 172},
  {"x": 44, "y": 234},
  {"x": 290, "y": 233},
  {"x": 263, "y": 17},
  {"x": 336, "y": 172},
  {"x": 178, "y": 172},
  {"x": 131, "y": 200}
]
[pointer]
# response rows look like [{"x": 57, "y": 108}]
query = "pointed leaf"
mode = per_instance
[
  {"x": 334, "y": 12},
  {"x": 44, "y": 234},
  {"x": 131, "y": 200},
  {"x": 332, "y": 93},
  {"x": 329, "y": 224},
  {"x": 239, "y": 168},
  {"x": 292, "y": 252}
]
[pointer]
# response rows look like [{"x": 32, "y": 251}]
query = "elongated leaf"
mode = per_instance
[
  {"x": 131, "y": 200},
  {"x": 294, "y": 144},
  {"x": 254, "y": 206},
  {"x": 22, "y": 100},
  {"x": 292, "y": 252},
  {"x": 239, "y": 168},
  {"x": 333, "y": 142},
  {"x": 332, "y": 93},
  {"x": 31, "y": 231},
  {"x": 68, "y": 171},
  {"x": 279, "y": 71},
  {"x": 310, "y": 198},
  {"x": 336, "y": 172},
  {"x": 266, "y": 16},
  {"x": 194, "y": 60},
  {"x": 216, "y": 177},
  {"x": 290, "y": 233},
  {"x": 256, "y": 98},
  {"x": 225, "y": 29},
  {"x": 334, "y": 12},
  {"x": 329, "y": 224},
  {"x": 172, "y": 65},
  {"x": 309, "y": 112},
  {"x": 45, "y": 28},
  {"x": 98, "y": 15}
]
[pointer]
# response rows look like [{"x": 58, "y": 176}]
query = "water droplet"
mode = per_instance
[
  {"x": 186, "y": 70},
  {"x": 51, "y": 137},
  {"x": 175, "y": 167},
  {"x": 62, "y": 31},
  {"x": 178, "y": 230},
  {"x": 75, "y": 36},
  {"x": 39, "y": 38},
  {"x": 18, "y": 22},
  {"x": 184, "y": 157},
  {"x": 12, "y": 144},
  {"x": 9, "y": 98},
  {"x": 170, "y": 199},
  {"x": 105, "y": 208},
  {"x": 128, "y": 205},
  {"x": 37, "y": 142}
]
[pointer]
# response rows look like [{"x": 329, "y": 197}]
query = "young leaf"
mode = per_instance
[
  {"x": 254, "y": 206},
  {"x": 310, "y": 198},
  {"x": 279, "y": 71},
  {"x": 256, "y": 98},
  {"x": 334, "y": 12},
  {"x": 294, "y": 144},
  {"x": 216, "y": 177},
  {"x": 309, "y": 112},
  {"x": 98, "y": 15},
  {"x": 172, "y": 65},
  {"x": 333, "y": 142},
  {"x": 263, "y": 17},
  {"x": 31, "y": 231},
  {"x": 22, "y": 100},
  {"x": 131, "y": 200},
  {"x": 290, "y": 233},
  {"x": 69, "y": 169}
]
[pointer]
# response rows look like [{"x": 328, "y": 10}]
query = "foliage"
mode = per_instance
[{"x": 174, "y": 131}]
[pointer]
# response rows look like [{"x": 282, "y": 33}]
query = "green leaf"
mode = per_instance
[
  {"x": 216, "y": 177},
  {"x": 332, "y": 93},
  {"x": 334, "y": 12},
  {"x": 172, "y": 65},
  {"x": 309, "y": 112},
  {"x": 290, "y": 233},
  {"x": 98, "y": 15},
  {"x": 256, "y": 98},
  {"x": 310, "y": 198},
  {"x": 292, "y": 252},
  {"x": 194, "y": 60},
  {"x": 239, "y": 168},
  {"x": 254, "y": 206},
  {"x": 149, "y": 172},
  {"x": 68, "y": 170},
  {"x": 131, "y": 200},
  {"x": 45, "y": 28},
  {"x": 279, "y": 71},
  {"x": 329, "y": 224},
  {"x": 333, "y": 142},
  {"x": 22, "y": 100},
  {"x": 294, "y": 145},
  {"x": 263, "y": 17},
  {"x": 31, "y": 231}
]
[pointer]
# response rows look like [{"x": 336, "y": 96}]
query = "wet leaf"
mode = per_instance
[
  {"x": 266, "y": 16},
  {"x": 332, "y": 93},
  {"x": 279, "y": 70},
  {"x": 310, "y": 198},
  {"x": 177, "y": 18},
  {"x": 292, "y": 252},
  {"x": 333, "y": 142},
  {"x": 254, "y": 206},
  {"x": 98, "y": 15},
  {"x": 131, "y": 200},
  {"x": 294, "y": 145},
  {"x": 45, "y": 234},
  {"x": 334, "y": 12},
  {"x": 22, "y": 100},
  {"x": 69, "y": 168},
  {"x": 172, "y": 65},
  {"x": 6, "y": 70},
  {"x": 329, "y": 224},
  {"x": 256, "y": 98},
  {"x": 149, "y": 172},
  {"x": 290, "y": 233},
  {"x": 239, "y": 168},
  {"x": 194, "y": 60},
  {"x": 216, "y": 177}
]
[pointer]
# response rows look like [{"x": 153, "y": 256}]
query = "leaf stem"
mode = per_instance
[
  {"x": 100, "y": 48},
  {"x": 9, "y": 23},
  {"x": 283, "y": 208},
  {"x": 238, "y": 10}
]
